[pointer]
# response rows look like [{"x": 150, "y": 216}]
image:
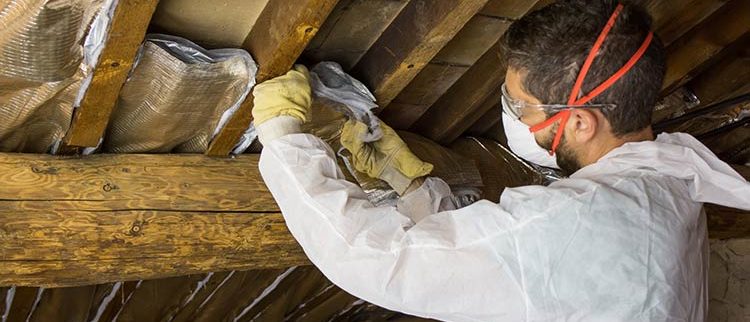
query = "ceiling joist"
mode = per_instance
[
  {"x": 698, "y": 48},
  {"x": 417, "y": 34}
]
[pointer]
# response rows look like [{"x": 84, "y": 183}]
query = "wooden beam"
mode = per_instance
[
  {"x": 490, "y": 118},
  {"x": 696, "y": 50},
  {"x": 129, "y": 24},
  {"x": 513, "y": 9},
  {"x": 279, "y": 36},
  {"x": 727, "y": 79},
  {"x": 103, "y": 218},
  {"x": 447, "y": 67},
  {"x": 68, "y": 248},
  {"x": 128, "y": 181},
  {"x": 671, "y": 19},
  {"x": 453, "y": 61},
  {"x": 461, "y": 105},
  {"x": 97, "y": 220},
  {"x": 418, "y": 33},
  {"x": 351, "y": 29}
]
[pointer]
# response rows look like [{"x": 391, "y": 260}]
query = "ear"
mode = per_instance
[{"x": 583, "y": 125}]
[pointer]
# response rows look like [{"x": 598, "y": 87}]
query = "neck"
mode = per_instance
[{"x": 606, "y": 143}]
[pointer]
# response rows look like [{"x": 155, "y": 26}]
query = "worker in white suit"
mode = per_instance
[{"x": 622, "y": 239}]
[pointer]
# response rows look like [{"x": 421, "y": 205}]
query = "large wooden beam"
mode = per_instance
[
  {"x": 416, "y": 35},
  {"x": 103, "y": 218},
  {"x": 279, "y": 36},
  {"x": 129, "y": 24},
  {"x": 698, "y": 48}
]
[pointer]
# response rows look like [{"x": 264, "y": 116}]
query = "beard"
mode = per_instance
[{"x": 567, "y": 159}]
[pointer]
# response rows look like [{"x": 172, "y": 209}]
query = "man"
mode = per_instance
[{"x": 622, "y": 239}]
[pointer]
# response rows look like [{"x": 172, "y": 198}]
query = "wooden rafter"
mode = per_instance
[
  {"x": 428, "y": 97},
  {"x": 727, "y": 79},
  {"x": 461, "y": 105},
  {"x": 351, "y": 29},
  {"x": 416, "y": 35},
  {"x": 281, "y": 33},
  {"x": 477, "y": 36},
  {"x": 696, "y": 49},
  {"x": 675, "y": 17},
  {"x": 129, "y": 24},
  {"x": 490, "y": 118}
]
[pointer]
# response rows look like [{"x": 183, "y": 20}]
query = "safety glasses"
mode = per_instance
[{"x": 515, "y": 107}]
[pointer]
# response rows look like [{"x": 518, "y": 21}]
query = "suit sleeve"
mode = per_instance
[{"x": 458, "y": 265}]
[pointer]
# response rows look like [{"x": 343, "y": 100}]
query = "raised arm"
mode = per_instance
[{"x": 456, "y": 265}]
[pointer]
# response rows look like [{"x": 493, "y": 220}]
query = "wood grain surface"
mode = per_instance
[{"x": 67, "y": 221}]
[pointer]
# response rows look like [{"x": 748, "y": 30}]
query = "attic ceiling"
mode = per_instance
[{"x": 435, "y": 66}]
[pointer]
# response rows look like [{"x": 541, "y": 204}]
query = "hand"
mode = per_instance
[
  {"x": 388, "y": 159},
  {"x": 282, "y": 104}
]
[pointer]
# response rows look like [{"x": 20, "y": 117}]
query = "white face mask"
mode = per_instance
[{"x": 521, "y": 141}]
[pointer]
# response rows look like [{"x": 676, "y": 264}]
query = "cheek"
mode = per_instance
[{"x": 532, "y": 116}]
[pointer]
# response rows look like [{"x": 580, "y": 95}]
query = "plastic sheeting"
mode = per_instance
[
  {"x": 702, "y": 124},
  {"x": 330, "y": 82},
  {"x": 675, "y": 104},
  {"x": 42, "y": 69},
  {"x": 178, "y": 96},
  {"x": 499, "y": 167},
  {"x": 338, "y": 90}
]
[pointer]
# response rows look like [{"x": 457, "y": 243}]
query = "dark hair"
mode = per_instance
[{"x": 550, "y": 45}]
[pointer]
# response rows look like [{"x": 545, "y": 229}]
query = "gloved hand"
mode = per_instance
[
  {"x": 388, "y": 159},
  {"x": 282, "y": 104}
]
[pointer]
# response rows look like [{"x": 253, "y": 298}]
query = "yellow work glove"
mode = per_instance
[
  {"x": 281, "y": 104},
  {"x": 388, "y": 159}
]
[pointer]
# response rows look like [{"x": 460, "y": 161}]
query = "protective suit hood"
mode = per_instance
[{"x": 681, "y": 156}]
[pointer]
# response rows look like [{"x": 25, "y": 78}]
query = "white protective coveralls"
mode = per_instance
[{"x": 623, "y": 239}]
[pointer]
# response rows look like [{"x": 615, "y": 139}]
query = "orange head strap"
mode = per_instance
[{"x": 564, "y": 115}]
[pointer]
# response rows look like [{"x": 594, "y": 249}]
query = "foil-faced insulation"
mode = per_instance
[
  {"x": 178, "y": 96},
  {"x": 42, "y": 68}
]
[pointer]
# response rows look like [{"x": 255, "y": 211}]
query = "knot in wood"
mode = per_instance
[
  {"x": 136, "y": 228},
  {"x": 109, "y": 187}
]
